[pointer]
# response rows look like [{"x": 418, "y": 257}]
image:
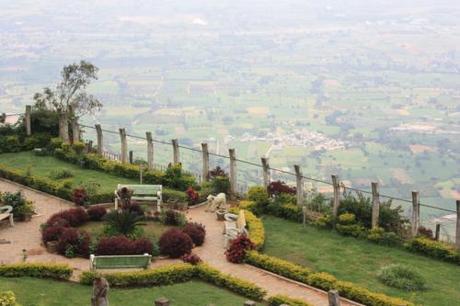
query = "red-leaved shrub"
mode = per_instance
[
  {"x": 57, "y": 221},
  {"x": 80, "y": 196},
  {"x": 238, "y": 247},
  {"x": 96, "y": 213},
  {"x": 191, "y": 259},
  {"x": 134, "y": 208},
  {"x": 425, "y": 232},
  {"x": 175, "y": 243},
  {"x": 192, "y": 195},
  {"x": 277, "y": 187},
  {"x": 74, "y": 216},
  {"x": 121, "y": 245},
  {"x": 52, "y": 233},
  {"x": 73, "y": 242},
  {"x": 196, "y": 232}
]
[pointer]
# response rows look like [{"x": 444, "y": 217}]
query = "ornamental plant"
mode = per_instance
[
  {"x": 96, "y": 213},
  {"x": 73, "y": 242},
  {"x": 238, "y": 248},
  {"x": 196, "y": 232},
  {"x": 121, "y": 245},
  {"x": 175, "y": 243},
  {"x": 80, "y": 197},
  {"x": 172, "y": 217},
  {"x": 22, "y": 208},
  {"x": 70, "y": 217},
  {"x": 191, "y": 258},
  {"x": 123, "y": 223},
  {"x": 278, "y": 187},
  {"x": 401, "y": 277},
  {"x": 192, "y": 195},
  {"x": 52, "y": 233}
]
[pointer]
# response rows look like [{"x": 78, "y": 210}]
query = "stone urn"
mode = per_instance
[
  {"x": 51, "y": 246},
  {"x": 220, "y": 214}
]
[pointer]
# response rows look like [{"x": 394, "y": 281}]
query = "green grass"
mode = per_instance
[
  {"x": 38, "y": 292},
  {"x": 151, "y": 229},
  {"x": 358, "y": 261},
  {"x": 43, "y": 166}
]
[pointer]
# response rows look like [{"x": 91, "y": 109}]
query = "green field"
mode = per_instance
[
  {"x": 38, "y": 292},
  {"x": 358, "y": 261},
  {"x": 43, "y": 166}
]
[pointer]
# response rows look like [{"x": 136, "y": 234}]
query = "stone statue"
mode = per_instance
[{"x": 100, "y": 290}]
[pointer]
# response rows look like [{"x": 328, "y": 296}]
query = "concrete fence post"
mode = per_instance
[
  {"x": 299, "y": 185},
  {"x": 336, "y": 200},
  {"x": 148, "y": 136},
  {"x": 457, "y": 234},
  {"x": 375, "y": 204},
  {"x": 333, "y": 297},
  {"x": 205, "y": 170},
  {"x": 437, "y": 232},
  {"x": 176, "y": 156},
  {"x": 124, "y": 146},
  {"x": 28, "y": 120},
  {"x": 266, "y": 171},
  {"x": 100, "y": 144},
  {"x": 131, "y": 157},
  {"x": 233, "y": 174},
  {"x": 415, "y": 222}
]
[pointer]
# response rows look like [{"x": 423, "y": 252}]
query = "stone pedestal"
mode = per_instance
[{"x": 162, "y": 302}]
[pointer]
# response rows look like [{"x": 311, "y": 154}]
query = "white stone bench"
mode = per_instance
[
  {"x": 6, "y": 213},
  {"x": 234, "y": 225},
  {"x": 142, "y": 193},
  {"x": 119, "y": 261}
]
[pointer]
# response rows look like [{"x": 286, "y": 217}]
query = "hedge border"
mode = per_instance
[
  {"x": 38, "y": 270},
  {"x": 178, "y": 273},
  {"x": 279, "y": 299}
]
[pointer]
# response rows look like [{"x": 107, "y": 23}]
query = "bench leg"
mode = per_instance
[{"x": 11, "y": 220}]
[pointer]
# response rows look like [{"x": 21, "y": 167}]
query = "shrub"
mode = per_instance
[
  {"x": 80, "y": 197},
  {"x": 78, "y": 147},
  {"x": 121, "y": 245},
  {"x": 354, "y": 230},
  {"x": 220, "y": 184},
  {"x": 54, "y": 271},
  {"x": 172, "y": 217},
  {"x": 347, "y": 219},
  {"x": 8, "y": 298},
  {"x": 174, "y": 243},
  {"x": 96, "y": 213},
  {"x": 192, "y": 195},
  {"x": 289, "y": 211},
  {"x": 61, "y": 174},
  {"x": 425, "y": 232},
  {"x": 401, "y": 277},
  {"x": 259, "y": 196},
  {"x": 191, "y": 258},
  {"x": 379, "y": 235},
  {"x": 435, "y": 249},
  {"x": 217, "y": 172},
  {"x": 278, "y": 300},
  {"x": 238, "y": 248},
  {"x": 278, "y": 266},
  {"x": 72, "y": 217},
  {"x": 162, "y": 276},
  {"x": 241, "y": 287},
  {"x": 21, "y": 206},
  {"x": 73, "y": 243},
  {"x": 52, "y": 233},
  {"x": 134, "y": 208},
  {"x": 277, "y": 187},
  {"x": 255, "y": 226},
  {"x": 123, "y": 223},
  {"x": 196, "y": 232}
]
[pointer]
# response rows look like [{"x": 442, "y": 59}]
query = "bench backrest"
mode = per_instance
[
  {"x": 241, "y": 221},
  {"x": 120, "y": 261},
  {"x": 142, "y": 189}
]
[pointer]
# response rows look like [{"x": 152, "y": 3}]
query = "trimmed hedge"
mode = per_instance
[
  {"x": 40, "y": 270},
  {"x": 277, "y": 300},
  {"x": 8, "y": 298},
  {"x": 242, "y": 287},
  {"x": 435, "y": 249},
  {"x": 278, "y": 266},
  {"x": 178, "y": 273},
  {"x": 322, "y": 280}
]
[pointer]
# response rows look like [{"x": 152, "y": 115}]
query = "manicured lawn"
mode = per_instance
[
  {"x": 358, "y": 261},
  {"x": 38, "y": 292},
  {"x": 151, "y": 229},
  {"x": 45, "y": 165}
]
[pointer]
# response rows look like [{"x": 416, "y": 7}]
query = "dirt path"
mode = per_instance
[{"x": 26, "y": 236}]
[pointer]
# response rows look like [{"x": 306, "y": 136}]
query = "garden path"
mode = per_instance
[{"x": 26, "y": 236}]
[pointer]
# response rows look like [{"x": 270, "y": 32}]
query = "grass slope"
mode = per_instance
[
  {"x": 38, "y": 292},
  {"x": 358, "y": 261}
]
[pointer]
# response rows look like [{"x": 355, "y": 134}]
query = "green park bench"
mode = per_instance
[
  {"x": 119, "y": 261},
  {"x": 142, "y": 193}
]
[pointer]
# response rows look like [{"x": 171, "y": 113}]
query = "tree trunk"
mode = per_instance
[
  {"x": 64, "y": 127},
  {"x": 75, "y": 130}
]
